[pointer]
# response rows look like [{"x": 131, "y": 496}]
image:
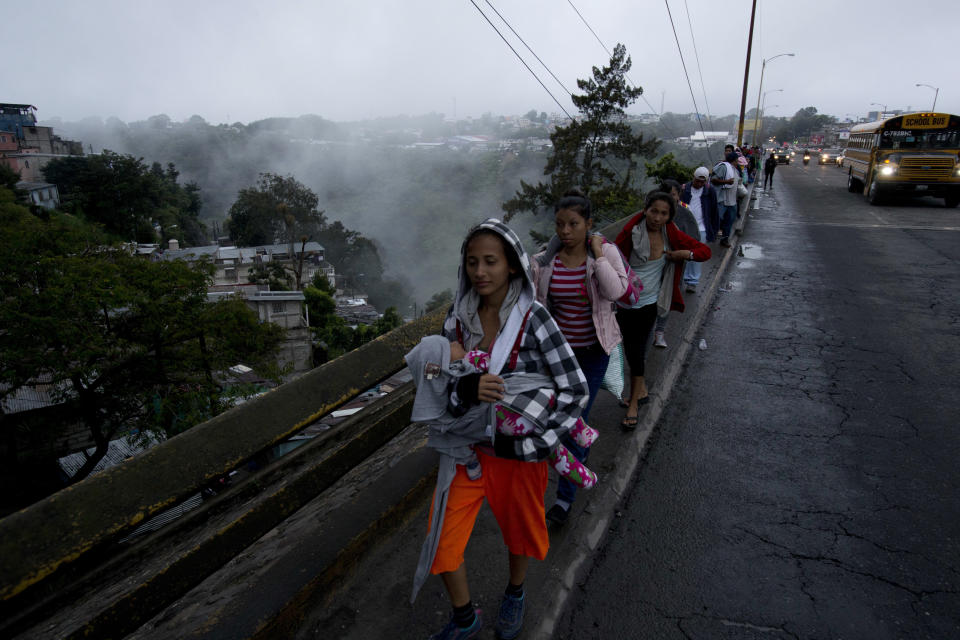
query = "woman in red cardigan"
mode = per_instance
[{"x": 655, "y": 248}]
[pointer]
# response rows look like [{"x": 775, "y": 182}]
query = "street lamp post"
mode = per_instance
[
  {"x": 760, "y": 90},
  {"x": 937, "y": 93},
  {"x": 877, "y": 104},
  {"x": 759, "y": 116}
]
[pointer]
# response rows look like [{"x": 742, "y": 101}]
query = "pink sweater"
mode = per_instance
[{"x": 606, "y": 281}]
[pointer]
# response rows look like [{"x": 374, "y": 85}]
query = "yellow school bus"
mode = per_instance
[{"x": 913, "y": 154}]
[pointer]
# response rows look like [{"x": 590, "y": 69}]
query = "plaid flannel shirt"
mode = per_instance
[{"x": 543, "y": 349}]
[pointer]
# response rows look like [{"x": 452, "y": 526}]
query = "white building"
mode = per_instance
[{"x": 703, "y": 138}]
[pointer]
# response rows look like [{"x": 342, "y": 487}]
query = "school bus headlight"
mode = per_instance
[{"x": 888, "y": 170}]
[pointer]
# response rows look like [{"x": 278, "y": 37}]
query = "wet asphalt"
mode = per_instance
[{"x": 803, "y": 479}]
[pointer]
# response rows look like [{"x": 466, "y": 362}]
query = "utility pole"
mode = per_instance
[{"x": 746, "y": 76}]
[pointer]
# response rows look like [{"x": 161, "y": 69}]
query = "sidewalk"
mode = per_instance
[{"x": 342, "y": 567}]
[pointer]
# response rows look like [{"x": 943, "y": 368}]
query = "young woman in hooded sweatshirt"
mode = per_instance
[
  {"x": 579, "y": 277},
  {"x": 496, "y": 311}
]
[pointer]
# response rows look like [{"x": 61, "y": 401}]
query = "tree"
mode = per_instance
[
  {"x": 802, "y": 124},
  {"x": 125, "y": 343},
  {"x": 8, "y": 177},
  {"x": 278, "y": 210},
  {"x": 320, "y": 305},
  {"x": 440, "y": 300},
  {"x": 272, "y": 274},
  {"x": 128, "y": 198},
  {"x": 667, "y": 167},
  {"x": 322, "y": 282},
  {"x": 597, "y": 152}
]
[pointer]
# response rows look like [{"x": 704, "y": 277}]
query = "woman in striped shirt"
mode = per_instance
[{"x": 579, "y": 277}]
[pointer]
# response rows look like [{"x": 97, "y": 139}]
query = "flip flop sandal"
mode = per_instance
[{"x": 629, "y": 422}]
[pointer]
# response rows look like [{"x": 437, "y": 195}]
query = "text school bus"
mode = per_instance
[{"x": 913, "y": 154}]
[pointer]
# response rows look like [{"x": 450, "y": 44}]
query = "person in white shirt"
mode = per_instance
[
  {"x": 702, "y": 199},
  {"x": 725, "y": 178}
]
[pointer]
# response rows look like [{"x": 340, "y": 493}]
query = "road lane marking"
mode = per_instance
[{"x": 861, "y": 225}]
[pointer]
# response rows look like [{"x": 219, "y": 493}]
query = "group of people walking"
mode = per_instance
[{"x": 523, "y": 351}]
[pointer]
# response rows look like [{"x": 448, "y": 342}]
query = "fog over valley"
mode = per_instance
[{"x": 415, "y": 203}]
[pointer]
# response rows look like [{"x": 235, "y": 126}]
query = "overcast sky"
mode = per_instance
[{"x": 243, "y": 60}]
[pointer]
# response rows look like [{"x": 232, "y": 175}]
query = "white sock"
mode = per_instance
[{"x": 563, "y": 504}]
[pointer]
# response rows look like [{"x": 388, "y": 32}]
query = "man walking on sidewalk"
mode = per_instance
[
  {"x": 768, "y": 168},
  {"x": 701, "y": 197},
  {"x": 725, "y": 178}
]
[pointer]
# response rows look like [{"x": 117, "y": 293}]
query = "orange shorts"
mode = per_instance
[{"x": 514, "y": 490}]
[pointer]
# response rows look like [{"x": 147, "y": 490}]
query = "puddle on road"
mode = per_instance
[{"x": 750, "y": 251}]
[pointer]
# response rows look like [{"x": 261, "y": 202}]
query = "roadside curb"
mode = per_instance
[{"x": 607, "y": 496}]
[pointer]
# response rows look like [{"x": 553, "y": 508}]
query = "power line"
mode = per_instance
[
  {"x": 531, "y": 70},
  {"x": 528, "y": 48},
  {"x": 520, "y": 59},
  {"x": 658, "y": 113},
  {"x": 689, "y": 84},
  {"x": 699, "y": 69},
  {"x": 630, "y": 80}
]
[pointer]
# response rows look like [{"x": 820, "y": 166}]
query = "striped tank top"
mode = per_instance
[{"x": 571, "y": 305}]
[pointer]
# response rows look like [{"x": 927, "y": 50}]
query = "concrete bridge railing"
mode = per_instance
[
  {"x": 66, "y": 546},
  {"x": 63, "y": 567}
]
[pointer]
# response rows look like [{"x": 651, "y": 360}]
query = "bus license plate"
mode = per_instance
[{"x": 921, "y": 187}]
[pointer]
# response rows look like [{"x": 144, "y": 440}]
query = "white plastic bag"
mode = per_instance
[{"x": 613, "y": 378}]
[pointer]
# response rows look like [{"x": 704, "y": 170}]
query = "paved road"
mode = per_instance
[{"x": 804, "y": 479}]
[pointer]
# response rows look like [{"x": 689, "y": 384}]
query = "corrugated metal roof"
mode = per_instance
[
  {"x": 37, "y": 396},
  {"x": 245, "y": 253},
  {"x": 117, "y": 451}
]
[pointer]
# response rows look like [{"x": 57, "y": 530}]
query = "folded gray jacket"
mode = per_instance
[{"x": 454, "y": 438}]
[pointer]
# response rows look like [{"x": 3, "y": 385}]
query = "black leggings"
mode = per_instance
[{"x": 635, "y": 325}]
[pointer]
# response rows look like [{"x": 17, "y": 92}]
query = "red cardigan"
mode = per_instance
[{"x": 678, "y": 240}]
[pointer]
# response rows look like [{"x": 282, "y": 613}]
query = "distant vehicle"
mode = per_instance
[
  {"x": 840, "y": 157},
  {"x": 828, "y": 156},
  {"x": 782, "y": 156},
  {"x": 912, "y": 154}
]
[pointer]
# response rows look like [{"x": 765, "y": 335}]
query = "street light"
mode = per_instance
[
  {"x": 760, "y": 90},
  {"x": 936, "y": 89},
  {"x": 759, "y": 115},
  {"x": 877, "y": 104},
  {"x": 763, "y": 103}
]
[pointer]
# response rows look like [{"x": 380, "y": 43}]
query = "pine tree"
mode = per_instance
[{"x": 597, "y": 152}]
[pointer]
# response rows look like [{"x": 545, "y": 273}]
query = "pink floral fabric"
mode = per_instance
[{"x": 512, "y": 423}]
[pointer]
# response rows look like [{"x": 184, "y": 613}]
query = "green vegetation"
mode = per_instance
[
  {"x": 332, "y": 335},
  {"x": 597, "y": 153},
  {"x": 123, "y": 343},
  {"x": 801, "y": 125},
  {"x": 128, "y": 199},
  {"x": 667, "y": 167}
]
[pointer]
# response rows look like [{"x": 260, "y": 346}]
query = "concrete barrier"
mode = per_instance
[{"x": 58, "y": 547}]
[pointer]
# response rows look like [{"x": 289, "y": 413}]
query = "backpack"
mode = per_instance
[{"x": 634, "y": 284}]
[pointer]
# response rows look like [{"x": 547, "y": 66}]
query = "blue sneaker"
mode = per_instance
[
  {"x": 510, "y": 618},
  {"x": 453, "y": 632}
]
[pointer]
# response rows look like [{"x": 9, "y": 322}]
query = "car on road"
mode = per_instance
[
  {"x": 828, "y": 156},
  {"x": 782, "y": 156}
]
